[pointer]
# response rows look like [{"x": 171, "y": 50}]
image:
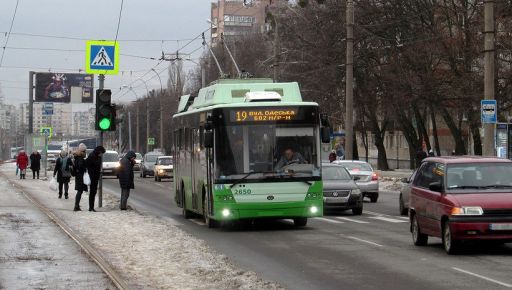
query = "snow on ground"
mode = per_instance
[
  {"x": 36, "y": 254},
  {"x": 150, "y": 252}
]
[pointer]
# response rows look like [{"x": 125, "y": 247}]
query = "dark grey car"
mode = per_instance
[
  {"x": 147, "y": 164},
  {"x": 340, "y": 190}
]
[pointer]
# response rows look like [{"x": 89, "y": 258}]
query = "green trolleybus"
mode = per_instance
[{"x": 247, "y": 149}]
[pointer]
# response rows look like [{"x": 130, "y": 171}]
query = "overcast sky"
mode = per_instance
[{"x": 97, "y": 19}]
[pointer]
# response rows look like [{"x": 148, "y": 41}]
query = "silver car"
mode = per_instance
[
  {"x": 368, "y": 180},
  {"x": 340, "y": 190},
  {"x": 405, "y": 194}
]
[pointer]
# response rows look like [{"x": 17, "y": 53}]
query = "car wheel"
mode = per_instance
[
  {"x": 155, "y": 178},
  {"x": 403, "y": 209},
  {"x": 357, "y": 211},
  {"x": 450, "y": 245},
  {"x": 374, "y": 198},
  {"x": 418, "y": 238},
  {"x": 300, "y": 222},
  {"x": 143, "y": 174}
]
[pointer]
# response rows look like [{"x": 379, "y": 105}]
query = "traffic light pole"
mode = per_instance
[{"x": 101, "y": 79}]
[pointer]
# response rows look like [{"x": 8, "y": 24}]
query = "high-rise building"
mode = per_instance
[
  {"x": 237, "y": 17},
  {"x": 83, "y": 123},
  {"x": 60, "y": 120}
]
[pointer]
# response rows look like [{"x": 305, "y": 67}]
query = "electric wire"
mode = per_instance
[
  {"x": 119, "y": 20},
  {"x": 9, "y": 33}
]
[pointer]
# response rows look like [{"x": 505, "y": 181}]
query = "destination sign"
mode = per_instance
[{"x": 262, "y": 115}]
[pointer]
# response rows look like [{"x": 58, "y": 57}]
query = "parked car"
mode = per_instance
[
  {"x": 147, "y": 164},
  {"x": 138, "y": 160},
  {"x": 163, "y": 168},
  {"x": 368, "y": 180},
  {"x": 110, "y": 163},
  {"x": 405, "y": 194},
  {"x": 460, "y": 199},
  {"x": 340, "y": 190}
]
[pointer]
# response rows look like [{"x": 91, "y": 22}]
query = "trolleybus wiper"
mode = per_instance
[{"x": 245, "y": 177}]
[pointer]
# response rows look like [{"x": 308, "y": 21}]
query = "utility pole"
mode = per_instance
[
  {"x": 349, "y": 82},
  {"x": 130, "y": 130},
  {"x": 489, "y": 48},
  {"x": 147, "y": 124},
  {"x": 31, "y": 102},
  {"x": 101, "y": 79},
  {"x": 275, "y": 65},
  {"x": 137, "y": 129}
]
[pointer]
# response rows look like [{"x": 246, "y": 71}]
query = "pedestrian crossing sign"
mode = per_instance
[{"x": 102, "y": 57}]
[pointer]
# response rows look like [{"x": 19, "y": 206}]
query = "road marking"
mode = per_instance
[
  {"x": 483, "y": 277},
  {"x": 386, "y": 219},
  {"x": 329, "y": 220},
  {"x": 365, "y": 241},
  {"x": 374, "y": 213},
  {"x": 352, "y": 220},
  {"x": 403, "y": 217}
]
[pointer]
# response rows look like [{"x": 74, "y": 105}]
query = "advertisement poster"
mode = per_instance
[{"x": 64, "y": 88}]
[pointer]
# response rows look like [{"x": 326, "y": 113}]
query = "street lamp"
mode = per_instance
[{"x": 161, "y": 112}]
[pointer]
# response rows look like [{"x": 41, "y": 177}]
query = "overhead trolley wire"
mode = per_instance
[{"x": 9, "y": 33}]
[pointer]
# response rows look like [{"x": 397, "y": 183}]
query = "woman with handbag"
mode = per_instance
[
  {"x": 79, "y": 169},
  {"x": 63, "y": 169}
]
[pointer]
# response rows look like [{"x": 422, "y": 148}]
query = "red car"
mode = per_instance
[{"x": 462, "y": 198}]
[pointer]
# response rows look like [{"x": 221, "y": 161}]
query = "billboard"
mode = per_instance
[{"x": 64, "y": 88}]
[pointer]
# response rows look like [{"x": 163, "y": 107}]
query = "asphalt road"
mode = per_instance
[{"x": 338, "y": 251}]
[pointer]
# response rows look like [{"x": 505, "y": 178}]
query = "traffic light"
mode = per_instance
[{"x": 105, "y": 111}]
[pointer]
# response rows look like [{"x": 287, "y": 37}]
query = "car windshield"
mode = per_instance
[
  {"x": 356, "y": 166},
  {"x": 266, "y": 151},
  {"x": 110, "y": 157},
  {"x": 165, "y": 161},
  {"x": 492, "y": 175},
  {"x": 335, "y": 173},
  {"x": 151, "y": 158}
]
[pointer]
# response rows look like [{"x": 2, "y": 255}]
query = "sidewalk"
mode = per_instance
[
  {"x": 36, "y": 254},
  {"x": 149, "y": 252}
]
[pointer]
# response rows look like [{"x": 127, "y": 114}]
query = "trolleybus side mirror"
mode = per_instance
[
  {"x": 208, "y": 139},
  {"x": 325, "y": 133}
]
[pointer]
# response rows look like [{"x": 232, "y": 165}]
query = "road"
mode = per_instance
[{"x": 340, "y": 251}]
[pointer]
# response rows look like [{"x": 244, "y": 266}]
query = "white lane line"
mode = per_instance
[
  {"x": 329, "y": 220},
  {"x": 403, "y": 217},
  {"x": 483, "y": 277},
  {"x": 365, "y": 241},
  {"x": 386, "y": 219},
  {"x": 351, "y": 220},
  {"x": 374, "y": 213}
]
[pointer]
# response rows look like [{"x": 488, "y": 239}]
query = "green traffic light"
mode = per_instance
[{"x": 105, "y": 123}]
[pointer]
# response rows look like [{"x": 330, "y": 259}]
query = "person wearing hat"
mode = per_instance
[
  {"x": 79, "y": 170},
  {"x": 93, "y": 164},
  {"x": 63, "y": 167},
  {"x": 35, "y": 164}
]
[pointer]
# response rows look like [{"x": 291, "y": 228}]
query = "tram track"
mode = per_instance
[{"x": 89, "y": 250}]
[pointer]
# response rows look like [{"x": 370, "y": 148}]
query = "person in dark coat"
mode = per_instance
[
  {"x": 93, "y": 164},
  {"x": 63, "y": 167},
  {"x": 420, "y": 155},
  {"x": 332, "y": 156},
  {"x": 126, "y": 180},
  {"x": 79, "y": 170},
  {"x": 35, "y": 164},
  {"x": 22, "y": 163}
]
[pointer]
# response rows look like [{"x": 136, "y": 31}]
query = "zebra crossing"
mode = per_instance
[{"x": 368, "y": 218}]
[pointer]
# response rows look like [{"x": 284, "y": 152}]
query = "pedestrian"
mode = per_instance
[
  {"x": 431, "y": 153},
  {"x": 420, "y": 155},
  {"x": 63, "y": 168},
  {"x": 93, "y": 164},
  {"x": 126, "y": 178},
  {"x": 79, "y": 169},
  {"x": 35, "y": 164},
  {"x": 22, "y": 163}
]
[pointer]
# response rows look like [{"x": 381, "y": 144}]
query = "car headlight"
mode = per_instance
[
  {"x": 161, "y": 171},
  {"x": 467, "y": 210},
  {"x": 118, "y": 164},
  {"x": 356, "y": 191}
]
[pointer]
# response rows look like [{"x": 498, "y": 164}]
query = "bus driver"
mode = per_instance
[{"x": 290, "y": 157}]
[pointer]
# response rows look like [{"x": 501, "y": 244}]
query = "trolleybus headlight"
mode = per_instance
[
  {"x": 225, "y": 212},
  {"x": 313, "y": 209}
]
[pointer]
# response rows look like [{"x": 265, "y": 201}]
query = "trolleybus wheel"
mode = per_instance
[
  {"x": 207, "y": 220},
  {"x": 300, "y": 222},
  {"x": 185, "y": 212}
]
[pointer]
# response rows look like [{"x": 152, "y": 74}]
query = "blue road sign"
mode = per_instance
[
  {"x": 102, "y": 57},
  {"x": 47, "y": 109},
  {"x": 489, "y": 111}
]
